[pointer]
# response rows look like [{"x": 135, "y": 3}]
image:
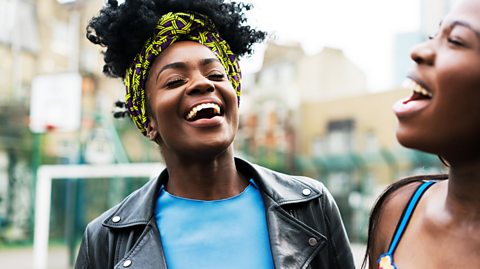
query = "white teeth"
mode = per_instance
[
  {"x": 196, "y": 109},
  {"x": 414, "y": 86}
]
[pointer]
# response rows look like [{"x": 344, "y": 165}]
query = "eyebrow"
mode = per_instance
[
  {"x": 464, "y": 24},
  {"x": 183, "y": 65}
]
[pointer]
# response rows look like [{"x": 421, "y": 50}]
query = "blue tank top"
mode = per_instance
[{"x": 386, "y": 259}]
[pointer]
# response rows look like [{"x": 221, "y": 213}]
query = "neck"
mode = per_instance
[
  {"x": 204, "y": 178},
  {"x": 463, "y": 197}
]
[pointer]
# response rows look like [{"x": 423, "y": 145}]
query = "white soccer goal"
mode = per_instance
[{"x": 47, "y": 173}]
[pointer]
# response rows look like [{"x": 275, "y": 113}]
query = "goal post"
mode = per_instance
[{"x": 47, "y": 173}]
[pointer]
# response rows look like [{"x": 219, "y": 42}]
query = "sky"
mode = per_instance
[{"x": 363, "y": 29}]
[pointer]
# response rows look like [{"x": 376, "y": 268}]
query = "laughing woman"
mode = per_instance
[
  {"x": 434, "y": 221},
  {"x": 179, "y": 62}
]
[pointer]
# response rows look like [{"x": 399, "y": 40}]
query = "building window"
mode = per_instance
[
  {"x": 340, "y": 136},
  {"x": 18, "y": 25}
]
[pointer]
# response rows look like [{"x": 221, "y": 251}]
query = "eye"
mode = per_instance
[
  {"x": 461, "y": 37},
  {"x": 216, "y": 76},
  {"x": 174, "y": 83},
  {"x": 455, "y": 42}
]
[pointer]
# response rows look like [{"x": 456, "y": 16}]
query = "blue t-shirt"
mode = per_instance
[{"x": 227, "y": 233}]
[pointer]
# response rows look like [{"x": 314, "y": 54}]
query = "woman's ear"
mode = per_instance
[{"x": 152, "y": 132}]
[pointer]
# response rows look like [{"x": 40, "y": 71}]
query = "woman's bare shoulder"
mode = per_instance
[
  {"x": 391, "y": 211},
  {"x": 388, "y": 210}
]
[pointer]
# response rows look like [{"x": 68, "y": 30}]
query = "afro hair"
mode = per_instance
[{"x": 124, "y": 28}]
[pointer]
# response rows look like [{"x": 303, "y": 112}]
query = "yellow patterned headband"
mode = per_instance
[{"x": 170, "y": 28}]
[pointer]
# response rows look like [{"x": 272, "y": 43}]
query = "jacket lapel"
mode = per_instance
[
  {"x": 294, "y": 244},
  {"x": 141, "y": 255},
  {"x": 138, "y": 210}
]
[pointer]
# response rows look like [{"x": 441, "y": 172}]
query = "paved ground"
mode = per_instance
[{"x": 22, "y": 258}]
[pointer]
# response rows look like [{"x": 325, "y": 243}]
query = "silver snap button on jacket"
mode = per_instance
[
  {"x": 312, "y": 241},
  {"x": 306, "y": 192},
  {"x": 127, "y": 263}
]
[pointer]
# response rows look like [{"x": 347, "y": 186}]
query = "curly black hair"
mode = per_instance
[{"x": 124, "y": 28}]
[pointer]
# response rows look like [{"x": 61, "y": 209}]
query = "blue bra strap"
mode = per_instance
[{"x": 407, "y": 213}]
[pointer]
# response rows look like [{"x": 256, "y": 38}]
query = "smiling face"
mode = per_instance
[
  {"x": 193, "y": 109},
  {"x": 442, "y": 115}
]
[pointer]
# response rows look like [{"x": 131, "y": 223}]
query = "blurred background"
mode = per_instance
[{"x": 316, "y": 101}]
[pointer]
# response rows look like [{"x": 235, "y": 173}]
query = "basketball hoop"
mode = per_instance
[
  {"x": 56, "y": 103},
  {"x": 50, "y": 128}
]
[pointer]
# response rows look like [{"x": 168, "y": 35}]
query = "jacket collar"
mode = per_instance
[
  {"x": 281, "y": 188},
  {"x": 139, "y": 207}
]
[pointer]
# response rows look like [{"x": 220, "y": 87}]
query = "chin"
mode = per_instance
[
  {"x": 213, "y": 146},
  {"x": 415, "y": 142},
  {"x": 407, "y": 138}
]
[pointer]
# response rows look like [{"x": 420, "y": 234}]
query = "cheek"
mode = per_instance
[
  {"x": 459, "y": 71},
  {"x": 236, "y": 118},
  {"x": 458, "y": 83},
  {"x": 230, "y": 94},
  {"x": 456, "y": 116},
  {"x": 164, "y": 103},
  {"x": 235, "y": 110},
  {"x": 163, "y": 110}
]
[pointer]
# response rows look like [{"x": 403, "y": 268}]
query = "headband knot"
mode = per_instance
[{"x": 170, "y": 28}]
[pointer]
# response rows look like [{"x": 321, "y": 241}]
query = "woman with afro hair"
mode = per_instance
[{"x": 208, "y": 209}]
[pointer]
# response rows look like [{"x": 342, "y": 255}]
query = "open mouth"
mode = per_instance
[
  {"x": 419, "y": 92},
  {"x": 204, "y": 111}
]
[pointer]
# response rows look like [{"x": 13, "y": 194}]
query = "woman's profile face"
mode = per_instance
[
  {"x": 193, "y": 106},
  {"x": 442, "y": 115}
]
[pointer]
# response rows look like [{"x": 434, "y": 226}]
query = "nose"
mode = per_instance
[
  {"x": 423, "y": 53},
  {"x": 200, "y": 84}
]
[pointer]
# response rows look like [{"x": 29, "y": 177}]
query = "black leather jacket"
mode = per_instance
[{"x": 304, "y": 226}]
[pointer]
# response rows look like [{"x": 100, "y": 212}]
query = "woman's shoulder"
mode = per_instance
[
  {"x": 135, "y": 207},
  {"x": 395, "y": 199},
  {"x": 396, "y": 196},
  {"x": 389, "y": 208}
]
